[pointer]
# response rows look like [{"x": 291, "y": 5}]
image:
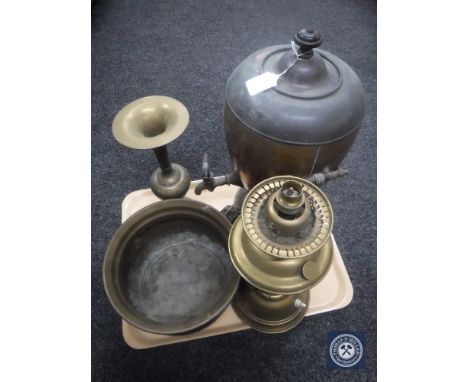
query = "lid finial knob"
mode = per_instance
[{"x": 307, "y": 39}]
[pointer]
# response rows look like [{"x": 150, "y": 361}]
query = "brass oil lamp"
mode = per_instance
[{"x": 281, "y": 246}]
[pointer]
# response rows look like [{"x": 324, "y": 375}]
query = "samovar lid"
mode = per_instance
[{"x": 318, "y": 99}]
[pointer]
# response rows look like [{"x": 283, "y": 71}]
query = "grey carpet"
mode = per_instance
[{"x": 186, "y": 50}]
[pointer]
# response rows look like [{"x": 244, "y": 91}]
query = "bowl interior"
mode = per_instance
[{"x": 174, "y": 275}]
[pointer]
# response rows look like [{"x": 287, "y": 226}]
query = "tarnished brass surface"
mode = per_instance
[
  {"x": 275, "y": 259},
  {"x": 304, "y": 124},
  {"x": 269, "y": 313},
  {"x": 167, "y": 267},
  {"x": 171, "y": 185},
  {"x": 286, "y": 210},
  {"x": 271, "y": 273},
  {"x": 150, "y": 122},
  {"x": 256, "y": 157},
  {"x": 274, "y": 262}
]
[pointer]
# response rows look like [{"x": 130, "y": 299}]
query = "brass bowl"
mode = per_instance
[{"x": 167, "y": 268}]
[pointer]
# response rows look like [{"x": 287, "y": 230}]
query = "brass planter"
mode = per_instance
[{"x": 167, "y": 267}]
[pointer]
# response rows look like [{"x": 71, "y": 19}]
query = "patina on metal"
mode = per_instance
[
  {"x": 281, "y": 246},
  {"x": 152, "y": 123},
  {"x": 167, "y": 268},
  {"x": 210, "y": 182},
  {"x": 304, "y": 125}
]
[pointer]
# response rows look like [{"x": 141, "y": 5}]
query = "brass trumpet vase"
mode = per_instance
[
  {"x": 281, "y": 246},
  {"x": 152, "y": 123}
]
